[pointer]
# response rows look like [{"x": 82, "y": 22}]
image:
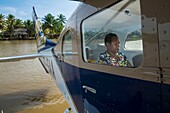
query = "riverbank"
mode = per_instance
[
  {"x": 4, "y": 38},
  {"x": 30, "y": 38},
  {"x": 15, "y": 38}
]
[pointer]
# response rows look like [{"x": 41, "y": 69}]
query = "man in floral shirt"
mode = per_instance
[{"x": 112, "y": 56}]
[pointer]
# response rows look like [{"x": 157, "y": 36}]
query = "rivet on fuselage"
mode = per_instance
[
  {"x": 162, "y": 20},
  {"x": 153, "y": 19},
  {"x": 164, "y": 32},
  {"x": 164, "y": 45}
]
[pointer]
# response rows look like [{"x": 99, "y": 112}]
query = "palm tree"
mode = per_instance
[
  {"x": 2, "y": 24},
  {"x": 61, "y": 18},
  {"x": 52, "y": 26},
  {"x": 10, "y": 23},
  {"x": 2, "y": 21},
  {"x": 61, "y": 21},
  {"x": 18, "y": 23},
  {"x": 2, "y": 17},
  {"x": 49, "y": 24},
  {"x": 28, "y": 24},
  {"x": 58, "y": 27}
]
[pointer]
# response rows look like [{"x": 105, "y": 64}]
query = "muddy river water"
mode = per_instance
[{"x": 25, "y": 87}]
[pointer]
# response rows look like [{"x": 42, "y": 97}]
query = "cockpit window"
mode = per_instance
[{"x": 122, "y": 19}]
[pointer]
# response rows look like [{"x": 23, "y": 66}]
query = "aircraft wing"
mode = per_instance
[
  {"x": 21, "y": 57},
  {"x": 97, "y": 3}
]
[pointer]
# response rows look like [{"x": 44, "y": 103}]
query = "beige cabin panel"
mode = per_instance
[
  {"x": 149, "y": 33},
  {"x": 164, "y": 32},
  {"x": 150, "y": 52}
]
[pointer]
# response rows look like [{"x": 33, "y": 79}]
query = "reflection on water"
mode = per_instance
[{"x": 24, "y": 86}]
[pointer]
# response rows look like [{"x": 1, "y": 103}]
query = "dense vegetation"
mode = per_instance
[{"x": 9, "y": 24}]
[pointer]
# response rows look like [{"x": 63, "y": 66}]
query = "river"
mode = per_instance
[{"x": 25, "y": 87}]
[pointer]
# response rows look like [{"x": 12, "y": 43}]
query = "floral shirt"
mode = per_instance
[{"x": 106, "y": 59}]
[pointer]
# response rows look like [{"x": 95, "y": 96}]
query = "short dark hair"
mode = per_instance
[{"x": 110, "y": 37}]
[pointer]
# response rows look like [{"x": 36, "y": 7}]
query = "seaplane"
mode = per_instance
[{"x": 143, "y": 28}]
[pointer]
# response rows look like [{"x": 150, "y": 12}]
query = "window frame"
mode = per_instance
[{"x": 62, "y": 48}]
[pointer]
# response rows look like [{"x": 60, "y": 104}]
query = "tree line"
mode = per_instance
[{"x": 51, "y": 26}]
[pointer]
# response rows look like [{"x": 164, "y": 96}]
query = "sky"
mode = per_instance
[{"x": 22, "y": 9}]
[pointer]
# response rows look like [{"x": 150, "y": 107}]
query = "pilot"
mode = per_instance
[{"x": 112, "y": 56}]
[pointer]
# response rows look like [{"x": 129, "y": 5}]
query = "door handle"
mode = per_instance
[{"x": 89, "y": 89}]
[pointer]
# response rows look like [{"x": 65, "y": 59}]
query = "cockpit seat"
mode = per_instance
[{"x": 137, "y": 60}]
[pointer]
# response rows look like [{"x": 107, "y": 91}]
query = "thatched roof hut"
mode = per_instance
[{"x": 21, "y": 33}]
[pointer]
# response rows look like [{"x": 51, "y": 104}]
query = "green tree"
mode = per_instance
[
  {"x": 58, "y": 27},
  {"x": 28, "y": 24},
  {"x": 61, "y": 18},
  {"x": 10, "y": 24},
  {"x": 52, "y": 26},
  {"x": 49, "y": 24},
  {"x": 18, "y": 23},
  {"x": 2, "y": 22},
  {"x": 61, "y": 22}
]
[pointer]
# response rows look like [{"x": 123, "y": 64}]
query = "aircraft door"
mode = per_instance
[{"x": 110, "y": 87}]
